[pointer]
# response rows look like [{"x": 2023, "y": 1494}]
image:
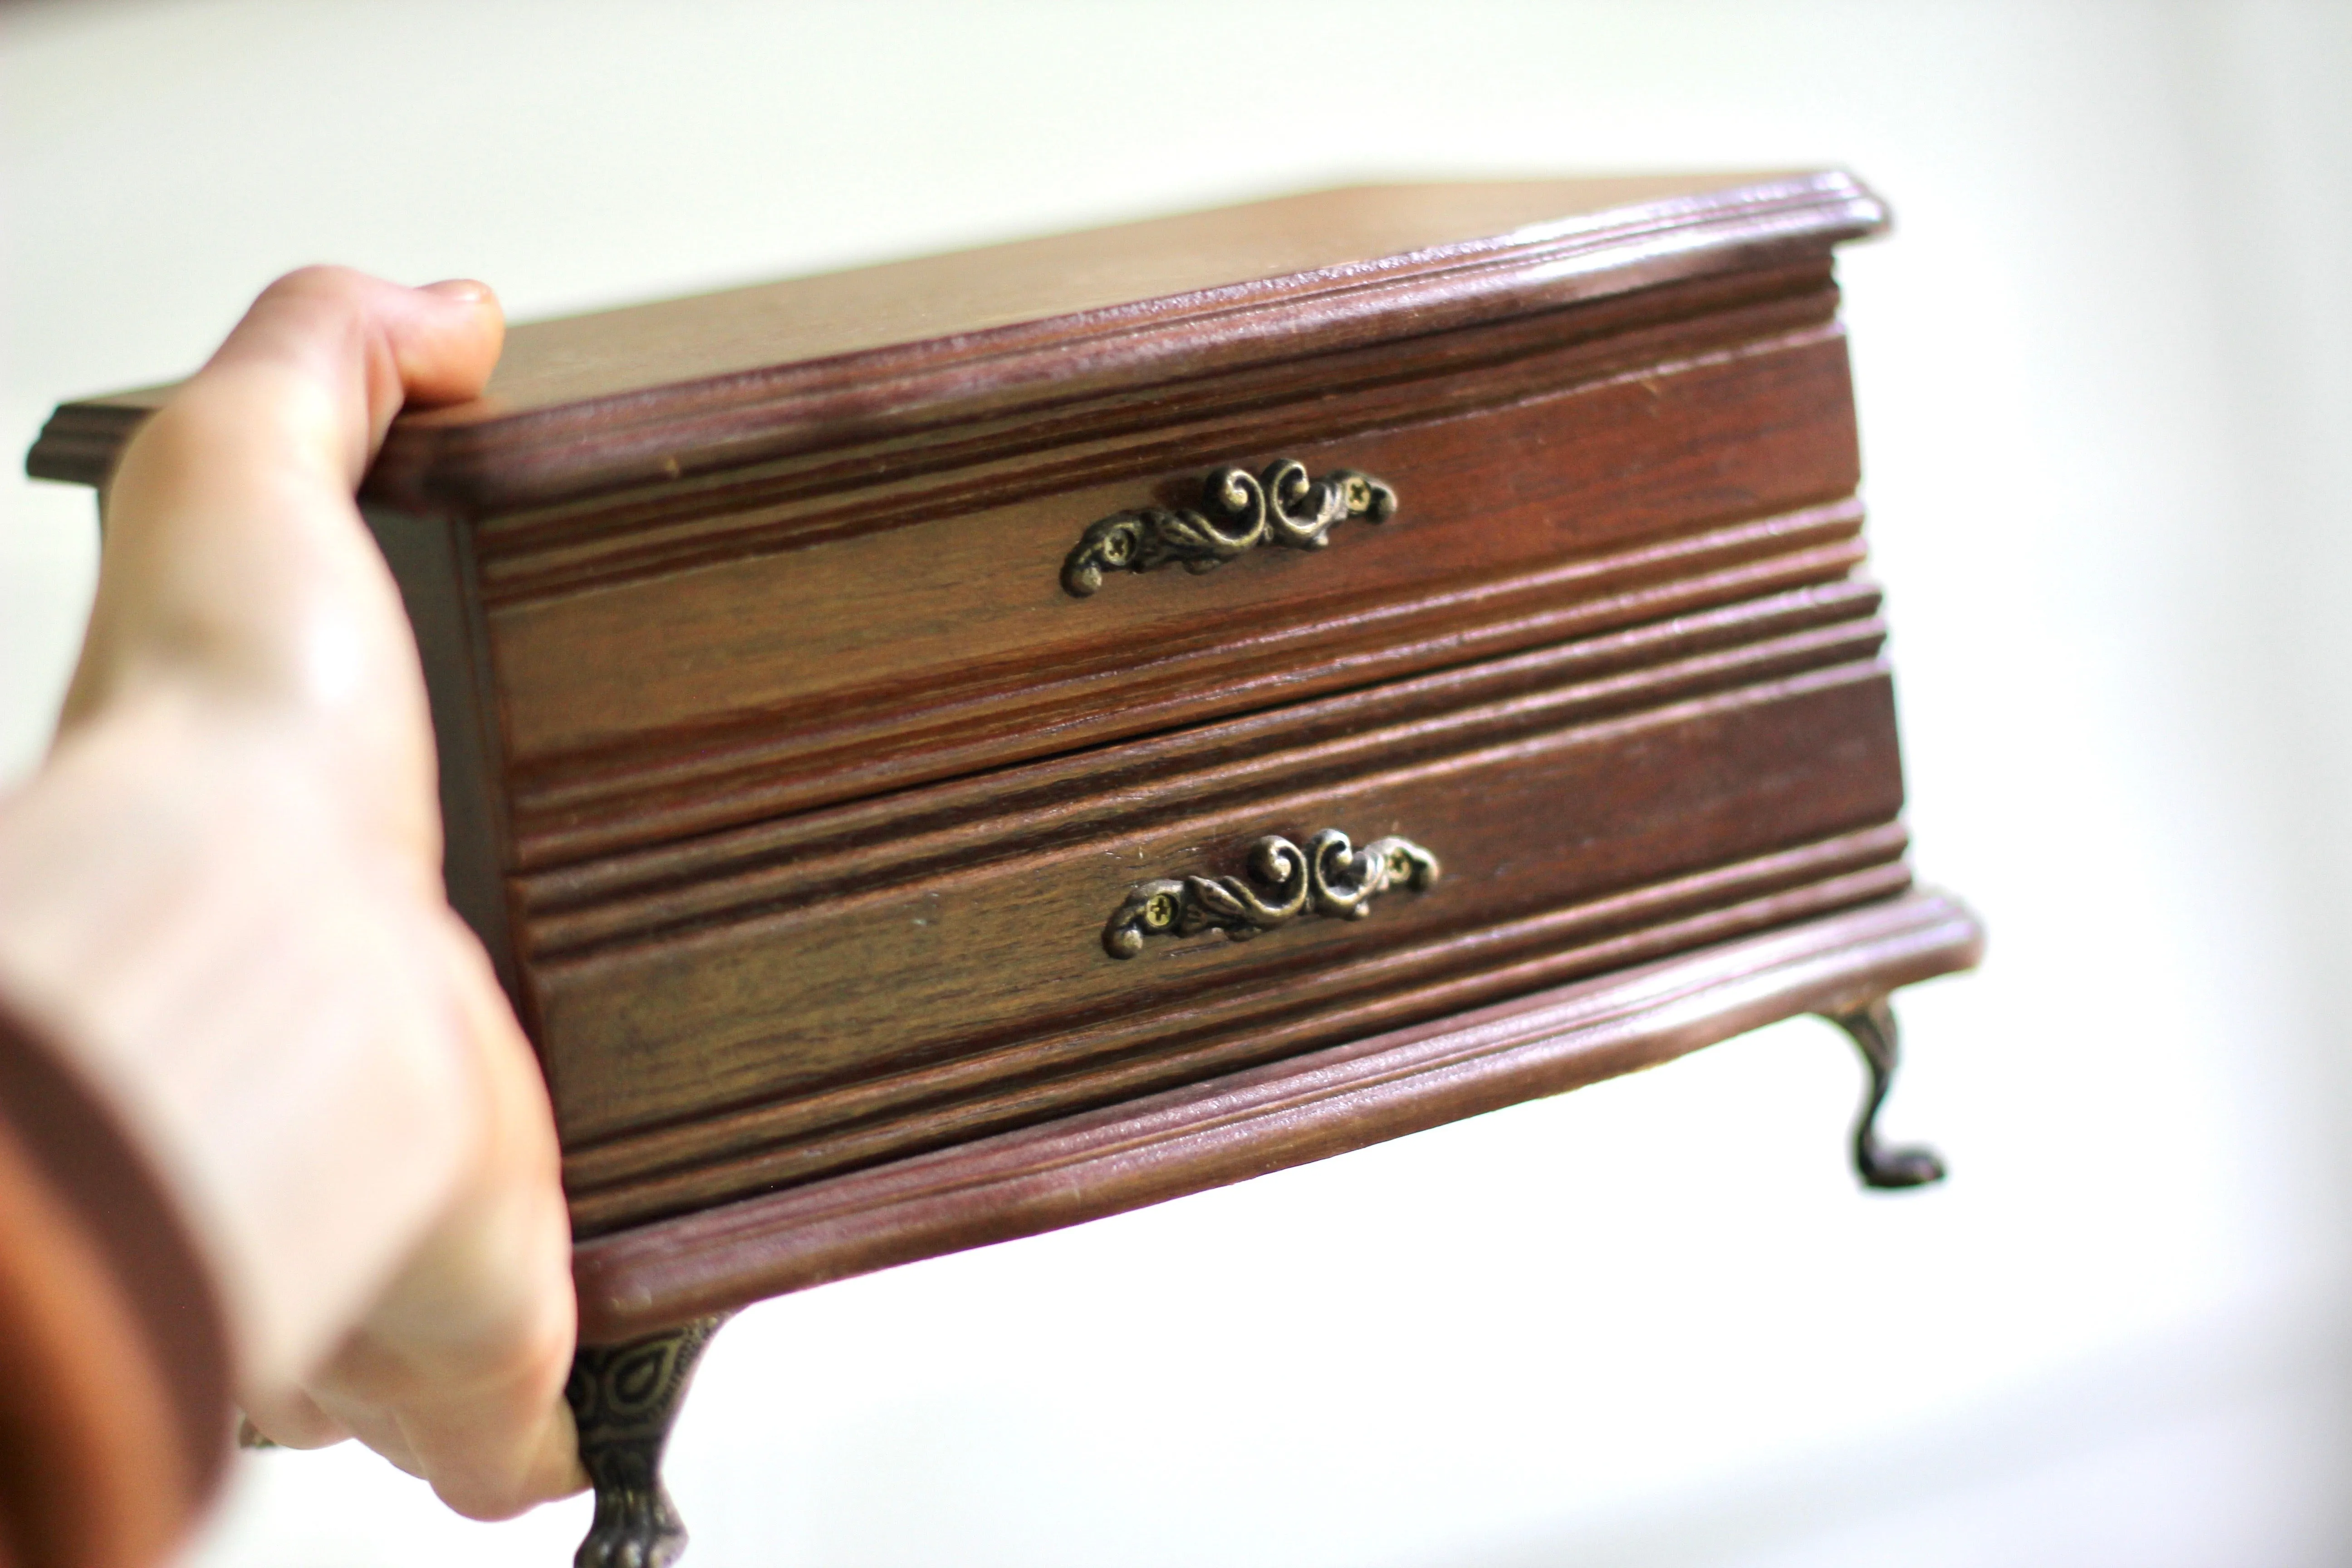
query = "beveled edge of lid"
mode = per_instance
[{"x": 474, "y": 459}]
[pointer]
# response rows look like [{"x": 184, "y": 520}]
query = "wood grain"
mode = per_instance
[
  {"x": 1232, "y": 1128},
  {"x": 595, "y": 811},
  {"x": 975, "y": 599},
  {"x": 881, "y": 841},
  {"x": 1007, "y": 944},
  {"x": 859, "y": 481},
  {"x": 694, "y": 1164},
  {"x": 791, "y": 791},
  {"x": 662, "y": 393},
  {"x": 653, "y": 700}
]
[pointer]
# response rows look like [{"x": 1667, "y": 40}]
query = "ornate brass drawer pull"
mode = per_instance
[
  {"x": 1239, "y": 512},
  {"x": 1329, "y": 879}
]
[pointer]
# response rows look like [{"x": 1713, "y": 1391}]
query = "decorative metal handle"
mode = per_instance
[
  {"x": 1239, "y": 512},
  {"x": 1328, "y": 878}
]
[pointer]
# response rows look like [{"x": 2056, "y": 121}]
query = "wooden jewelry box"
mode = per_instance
[{"x": 953, "y": 749}]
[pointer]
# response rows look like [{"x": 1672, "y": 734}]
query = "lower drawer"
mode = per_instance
[{"x": 915, "y": 981}]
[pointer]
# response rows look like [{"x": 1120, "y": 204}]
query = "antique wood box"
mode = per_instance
[{"x": 952, "y": 749}]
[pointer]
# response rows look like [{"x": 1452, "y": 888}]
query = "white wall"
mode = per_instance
[{"x": 2103, "y": 370}]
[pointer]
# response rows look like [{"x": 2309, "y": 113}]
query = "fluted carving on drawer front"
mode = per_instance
[
  {"x": 1240, "y": 512},
  {"x": 1331, "y": 878}
]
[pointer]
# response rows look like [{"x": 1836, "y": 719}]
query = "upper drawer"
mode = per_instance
[
  {"x": 899, "y": 637},
  {"x": 700, "y": 563}
]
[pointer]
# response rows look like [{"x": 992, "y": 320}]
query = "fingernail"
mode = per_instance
[{"x": 463, "y": 289}]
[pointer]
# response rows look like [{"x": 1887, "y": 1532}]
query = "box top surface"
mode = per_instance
[{"x": 617, "y": 398}]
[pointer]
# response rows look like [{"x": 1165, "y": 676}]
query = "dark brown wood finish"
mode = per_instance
[
  {"x": 987, "y": 939},
  {"x": 690, "y": 1166},
  {"x": 687, "y": 700},
  {"x": 1687, "y": 636},
  {"x": 791, "y": 786},
  {"x": 857, "y": 482},
  {"x": 664, "y": 394},
  {"x": 792, "y": 789},
  {"x": 1231, "y": 1129}
]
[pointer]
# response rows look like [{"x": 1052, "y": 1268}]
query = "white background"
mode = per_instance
[{"x": 2103, "y": 368}]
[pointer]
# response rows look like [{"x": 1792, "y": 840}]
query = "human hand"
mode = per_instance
[{"x": 237, "y": 928}]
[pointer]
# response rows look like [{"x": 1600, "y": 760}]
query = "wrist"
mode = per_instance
[{"x": 187, "y": 913}]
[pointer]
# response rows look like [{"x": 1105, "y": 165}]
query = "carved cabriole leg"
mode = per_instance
[
  {"x": 623, "y": 1399},
  {"x": 1871, "y": 1027}
]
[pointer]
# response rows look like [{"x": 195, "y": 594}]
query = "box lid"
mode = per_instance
[{"x": 681, "y": 389}]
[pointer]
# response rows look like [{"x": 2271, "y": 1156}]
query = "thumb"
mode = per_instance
[
  {"x": 326, "y": 356},
  {"x": 233, "y": 546},
  {"x": 323, "y": 361}
]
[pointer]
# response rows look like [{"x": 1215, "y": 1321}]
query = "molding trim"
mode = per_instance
[
  {"x": 1229, "y": 1129},
  {"x": 474, "y": 465}
]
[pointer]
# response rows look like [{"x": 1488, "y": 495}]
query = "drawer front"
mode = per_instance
[
  {"x": 651, "y": 708},
  {"x": 899, "y": 1003}
]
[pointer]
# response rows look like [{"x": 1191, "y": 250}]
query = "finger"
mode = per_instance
[
  {"x": 513, "y": 1446},
  {"x": 293, "y": 405},
  {"x": 234, "y": 551},
  {"x": 530, "y": 1465},
  {"x": 359, "y": 347},
  {"x": 379, "y": 1429},
  {"x": 459, "y": 1376},
  {"x": 492, "y": 1444},
  {"x": 291, "y": 1419},
  {"x": 468, "y": 1350}
]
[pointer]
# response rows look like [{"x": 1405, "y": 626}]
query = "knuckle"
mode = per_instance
[
  {"x": 319, "y": 280},
  {"x": 543, "y": 1358}
]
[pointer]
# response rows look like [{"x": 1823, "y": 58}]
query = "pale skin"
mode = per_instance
[{"x": 220, "y": 900}]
